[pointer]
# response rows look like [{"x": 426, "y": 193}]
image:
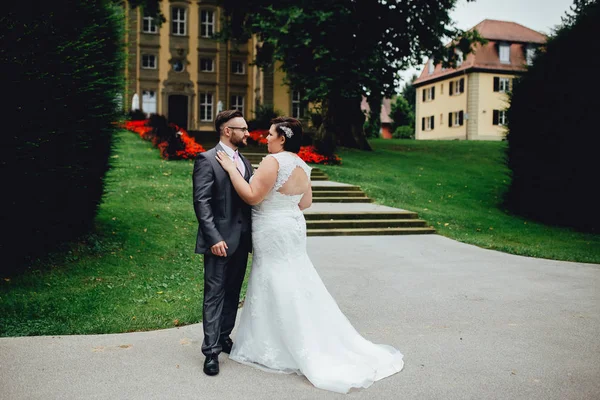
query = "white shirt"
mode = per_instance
[{"x": 230, "y": 152}]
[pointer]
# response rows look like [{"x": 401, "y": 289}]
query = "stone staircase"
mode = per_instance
[{"x": 340, "y": 209}]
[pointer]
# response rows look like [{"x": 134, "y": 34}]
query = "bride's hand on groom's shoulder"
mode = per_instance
[{"x": 225, "y": 161}]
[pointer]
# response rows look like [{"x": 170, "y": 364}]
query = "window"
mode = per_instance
[
  {"x": 530, "y": 54},
  {"x": 207, "y": 65},
  {"x": 429, "y": 94},
  {"x": 206, "y": 106},
  {"x": 504, "y": 52},
  {"x": 237, "y": 103},
  {"x": 501, "y": 85},
  {"x": 238, "y": 68},
  {"x": 148, "y": 25},
  {"x": 148, "y": 61},
  {"x": 296, "y": 104},
  {"x": 178, "y": 21},
  {"x": 178, "y": 66},
  {"x": 430, "y": 66},
  {"x": 456, "y": 118},
  {"x": 457, "y": 87},
  {"x": 427, "y": 123},
  {"x": 149, "y": 102},
  {"x": 500, "y": 118},
  {"x": 207, "y": 23}
]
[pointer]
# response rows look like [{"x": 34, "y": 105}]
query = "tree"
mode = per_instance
[
  {"x": 410, "y": 93},
  {"x": 553, "y": 136},
  {"x": 402, "y": 113},
  {"x": 337, "y": 51}
]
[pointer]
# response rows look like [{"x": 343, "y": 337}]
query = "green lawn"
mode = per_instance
[
  {"x": 457, "y": 187},
  {"x": 138, "y": 270}
]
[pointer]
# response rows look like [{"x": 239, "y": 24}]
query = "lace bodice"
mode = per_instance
[{"x": 276, "y": 200}]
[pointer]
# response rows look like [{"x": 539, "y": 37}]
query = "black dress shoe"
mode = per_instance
[
  {"x": 211, "y": 364},
  {"x": 226, "y": 345}
]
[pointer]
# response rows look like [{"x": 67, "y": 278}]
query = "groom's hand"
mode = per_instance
[{"x": 220, "y": 249}]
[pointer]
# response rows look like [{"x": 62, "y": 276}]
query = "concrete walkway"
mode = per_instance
[{"x": 471, "y": 323}]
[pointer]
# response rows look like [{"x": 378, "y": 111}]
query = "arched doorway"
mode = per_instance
[{"x": 178, "y": 110}]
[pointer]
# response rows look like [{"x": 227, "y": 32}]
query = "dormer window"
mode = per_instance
[
  {"x": 430, "y": 66},
  {"x": 459, "y": 58},
  {"x": 529, "y": 54},
  {"x": 504, "y": 53}
]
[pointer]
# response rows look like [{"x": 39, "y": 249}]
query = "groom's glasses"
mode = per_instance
[{"x": 243, "y": 129}]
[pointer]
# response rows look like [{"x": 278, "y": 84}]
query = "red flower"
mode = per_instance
[
  {"x": 309, "y": 154},
  {"x": 259, "y": 135},
  {"x": 181, "y": 146}
]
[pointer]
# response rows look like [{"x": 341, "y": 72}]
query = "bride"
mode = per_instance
[{"x": 290, "y": 323}]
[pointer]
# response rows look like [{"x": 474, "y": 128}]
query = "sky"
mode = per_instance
[{"x": 539, "y": 15}]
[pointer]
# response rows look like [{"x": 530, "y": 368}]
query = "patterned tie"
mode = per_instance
[{"x": 238, "y": 162}]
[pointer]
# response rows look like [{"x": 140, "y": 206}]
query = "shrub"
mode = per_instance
[
  {"x": 62, "y": 109},
  {"x": 404, "y": 132},
  {"x": 262, "y": 117},
  {"x": 136, "y": 115}
]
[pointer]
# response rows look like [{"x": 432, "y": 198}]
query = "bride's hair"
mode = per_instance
[{"x": 291, "y": 129}]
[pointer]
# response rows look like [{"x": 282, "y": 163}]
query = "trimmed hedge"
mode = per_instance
[
  {"x": 63, "y": 63},
  {"x": 553, "y": 137}
]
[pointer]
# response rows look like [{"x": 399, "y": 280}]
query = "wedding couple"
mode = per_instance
[{"x": 289, "y": 323}]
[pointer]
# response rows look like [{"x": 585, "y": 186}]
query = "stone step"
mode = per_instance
[
  {"x": 365, "y": 223},
  {"x": 369, "y": 231},
  {"x": 370, "y": 215},
  {"x": 319, "y": 178},
  {"x": 342, "y": 200},
  {"x": 323, "y": 188},
  {"x": 338, "y": 193}
]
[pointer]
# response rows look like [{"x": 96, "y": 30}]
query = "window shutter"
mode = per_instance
[
  {"x": 462, "y": 85},
  {"x": 461, "y": 116},
  {"x": 450, "y": 120},
  {"x": 496, "y": 113},
  {"x": 451, "y": 87},
  {"x": 433, "y": 93},
  {"x": 423, "y": 94},
  {"x": 496, "y": 84},
  {"x": 432, "y": 119},
  {"x": 423, "y": 123}
]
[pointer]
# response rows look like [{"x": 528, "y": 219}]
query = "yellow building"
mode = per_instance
[
  {"x": 469, "y": 102},
  {"x": 178, "y": 70}
]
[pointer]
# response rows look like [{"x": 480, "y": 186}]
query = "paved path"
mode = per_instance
[{"x": 472, "y": 324}]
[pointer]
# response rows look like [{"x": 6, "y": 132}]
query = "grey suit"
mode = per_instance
[{"x": 222, "y": 215}]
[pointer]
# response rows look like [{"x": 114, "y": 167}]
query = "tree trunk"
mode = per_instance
[{"x": 342, "y": 125}]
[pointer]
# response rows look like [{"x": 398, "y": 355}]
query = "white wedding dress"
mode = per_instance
[{"x": 290, "y": 323}]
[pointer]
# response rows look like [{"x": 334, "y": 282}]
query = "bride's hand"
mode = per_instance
[{"x": 226, "y": 162}]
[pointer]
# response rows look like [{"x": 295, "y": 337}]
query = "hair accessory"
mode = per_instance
[{"x": 287, "y": 131}]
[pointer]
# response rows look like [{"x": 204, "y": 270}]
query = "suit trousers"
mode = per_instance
[{"x": 223, "y": 278}]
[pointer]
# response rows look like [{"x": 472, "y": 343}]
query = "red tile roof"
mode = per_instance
[{"x": 486, "y": 56}]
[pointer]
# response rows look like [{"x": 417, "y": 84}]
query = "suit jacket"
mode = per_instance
[{"x": 221, "y": 213}]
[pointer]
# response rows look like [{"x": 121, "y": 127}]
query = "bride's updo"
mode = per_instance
[{"x": 291, "y": 129}]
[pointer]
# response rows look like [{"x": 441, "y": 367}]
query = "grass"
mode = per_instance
[
  {"x": 457, "y": 187},
  {"x": 138, "y": 270}
]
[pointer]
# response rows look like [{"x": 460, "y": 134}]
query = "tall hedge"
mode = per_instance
[
  {"x": 554, "y": 128},
  {"x": 62, "y": 73}
]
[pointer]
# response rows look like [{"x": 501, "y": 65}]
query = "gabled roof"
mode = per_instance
[
  {"x": 493, "y": 29},
  {"x": 486, "y": 57},
  {"x": 386, "y": 109}
]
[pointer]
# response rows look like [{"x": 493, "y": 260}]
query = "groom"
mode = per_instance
[{"x": 223, "y": 235}]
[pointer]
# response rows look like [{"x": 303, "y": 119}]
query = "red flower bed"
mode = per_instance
[
  {"x": 178, "y": 145},
  {"x": 259, "y": 135},
  {"x": 309, "y": 154}
]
